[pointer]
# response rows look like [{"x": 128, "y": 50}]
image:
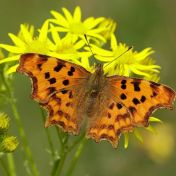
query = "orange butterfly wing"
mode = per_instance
[
  {"x": 131, "y": 103},
  {"x": 109, "y": 125},
  {"x": 141, "y": 97},
  {"x": 50, "y": 75},
  {"x": 57, "y": 84}
]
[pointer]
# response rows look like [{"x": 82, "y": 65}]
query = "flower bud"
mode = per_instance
[
  {"x": 8, "y": 144},
  {"x": 4, "y": 123}
]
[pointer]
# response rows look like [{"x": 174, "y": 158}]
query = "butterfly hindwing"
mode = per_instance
[
  {"x": 141, "y": 97},
  {"x": 63, "y": 110},
  {"x": 110, "y": 124}
]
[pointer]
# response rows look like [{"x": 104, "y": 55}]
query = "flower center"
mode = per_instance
[
  {"x": 66, "y": 49},
  {"x": 77, "y": 28}
]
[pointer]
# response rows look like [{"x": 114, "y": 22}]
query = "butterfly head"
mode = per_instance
[{"x": 99, "y": 69}]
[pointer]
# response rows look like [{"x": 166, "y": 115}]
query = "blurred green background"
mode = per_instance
[{"x": 141, "y": 24}]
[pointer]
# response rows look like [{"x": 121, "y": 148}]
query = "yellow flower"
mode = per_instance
[
  {"x": 75, "y": 27},
  {"x": 68, "y": 49},
  {"x": 25, "y": 42},
  {"x": 131, "y": 62},
  {"x": 110, "y": 26}
]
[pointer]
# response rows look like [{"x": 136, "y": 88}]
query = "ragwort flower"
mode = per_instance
[
  {"x": 127, "y": 64},
  {"x": 69, "y": 49},
  {"x": 75, "y": 27},
  {"x": 25, "y": 42}
]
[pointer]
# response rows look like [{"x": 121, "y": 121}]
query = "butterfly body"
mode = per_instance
[
  {"x": 95, "y": 89},
  {"x": 112, "y": 105}
]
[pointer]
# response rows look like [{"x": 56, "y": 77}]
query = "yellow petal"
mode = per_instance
[
  {"x": 138, "y": 72},
  {"x": 143, "y": 54},
  {"x": 77, "y": 14},
  {"x": 12, "y": 49},
  {"x": 67, "y": 15},
  {"x": 9, "y": 59},
  {"x": 98, "y": 36},
  {"x": 61, "y": 29},
  {"x": 26, "y": 34},
  {"x": 55, "y": 34},
  {"x": 60, "y": 19},
  {"x": 113, "y": 42},
  {"x": 43, "y": 32},
  {"x": 12, "y": 69},
  {"x": 79, "y": 44},
  {"x": 91, "y": 22},
  {"x": 16, "y": 40}
]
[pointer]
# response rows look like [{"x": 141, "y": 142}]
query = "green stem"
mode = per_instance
[
  {"x": 48, "y": 136},
  {"x": 6, "y": 170},
  {"x": 11, "y": 164},
  {"x": 63, "y": 154},
  {"x": 76, "y": 142},
  {"x": 61, "y": 163},
  {"x": 76, "y": 157},
  {"x": 26, "y": 147},
  {"x": 60, "y": 136}
]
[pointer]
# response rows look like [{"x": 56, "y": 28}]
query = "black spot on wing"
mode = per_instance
[
  {"x": 123, "y": 81},
  {"x": 47, "y": 75},
  {"x": 64, "y": 91},
  {"x": 119, "y": 106},
  {"x": 154, "y": 94},
  {"x": 51, "y": 89},
  {"x": 136, "y": 101},
  {"x": 123, "y": 96},
  {"x": 52, "y": 80},
  {"x": 109, "y": 115},
  {"x": 59, "y": 66},
  {"x": 143, "y": 98},
  {"x": 132, "y": 109},
  {"x": 70, "y": 73},
  {"x": 65, "y": 82},
  {"x": 60, "y": 113},
  {"x": 123, "y": 86},
  {"x": 111, "y": 106},
  {"x": 72, "y": 69},
  {"x": 70, "y": 94},
  {"x": 136, "y": 84},
  {"x": 39, "y": 66}
]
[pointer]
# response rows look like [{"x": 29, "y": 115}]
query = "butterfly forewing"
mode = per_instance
[
  {"x": 141, "y": 97},
  {"x": 50, "y": 75}
]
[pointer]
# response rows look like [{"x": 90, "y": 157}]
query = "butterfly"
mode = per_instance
[{"x": 110, "y": 105}]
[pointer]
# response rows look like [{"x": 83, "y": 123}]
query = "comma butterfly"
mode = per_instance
[{"x": 112, "y": 105}]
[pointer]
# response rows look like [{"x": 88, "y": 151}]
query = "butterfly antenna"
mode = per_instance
[
  {"x": 120, "y": 55},
  {"x": 87, "y": 42}
]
